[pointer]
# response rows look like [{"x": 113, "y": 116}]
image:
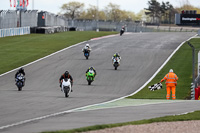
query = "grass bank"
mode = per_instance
[
  {"x": 181, "y": 63},
  {"x": 186, "y": 117},
  {"x": 19, "y": 50}
]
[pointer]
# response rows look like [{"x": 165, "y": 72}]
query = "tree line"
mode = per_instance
[{"x": 155, "y": 12}]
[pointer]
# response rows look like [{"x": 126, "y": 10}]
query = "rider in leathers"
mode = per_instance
[
  {"x": 116, "y": 55},
  {"x": 91, "y": 68},
  {"x": 20, "y": 71},
  {"x": 66, "y": 75},
  {"x": 87, "y": 47}
]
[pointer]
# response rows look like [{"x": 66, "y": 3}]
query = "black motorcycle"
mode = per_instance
[
  {"x": 116, "y": 63},
  {"x": 122, "y": 31},
  {"x": 20, "y": 81},
  {"x": 86, "y": 53}
]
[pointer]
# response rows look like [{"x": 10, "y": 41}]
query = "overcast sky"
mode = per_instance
[{"x": 53, "y": 6}]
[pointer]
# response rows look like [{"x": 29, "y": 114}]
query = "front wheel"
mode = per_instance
[
  {"x": 19, "y": 88},
  {"x": 66, "y": 91},
  {"x": 66, "y": 95},
  {"x": 115, "y": 68}
]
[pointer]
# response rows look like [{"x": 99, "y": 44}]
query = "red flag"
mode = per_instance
[
  {"x": 27, "y": 3},
  {"x": 14, "y": 3},
  {"x": 23, "y": 3},
  {"x": 20, "y": 1},
  {"x": 10, "y": 4}
]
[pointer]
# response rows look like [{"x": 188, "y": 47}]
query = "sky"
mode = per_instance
[{"x": 53, "y": 6}]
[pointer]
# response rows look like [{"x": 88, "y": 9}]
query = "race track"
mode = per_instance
[{"x": 142, "y": 54}]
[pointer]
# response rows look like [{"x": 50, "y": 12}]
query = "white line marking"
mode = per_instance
[
  {"x": 121, "y": 106},
  {"x": 56, "y": 53},
  {"x": 161, "y": 67},
  {"x": 51, "y": 115},
  {"x": 44, "y": 57},
  {"x": 73, "y": 110}
]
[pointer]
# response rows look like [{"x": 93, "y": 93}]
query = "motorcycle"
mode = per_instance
[
  {"x": 116, "y": 62},
  {"x": 86, "y": 53},
  {"x": 20, "y": 81},
  {"x": 66, "y": 86},
  {"x": 90, "y": 76},
  {"x": 121, "y": 31}
]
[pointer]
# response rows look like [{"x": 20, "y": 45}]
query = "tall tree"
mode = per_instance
[
  {"x": 72, "y": 10},
  {"x": 91, "y": 13},
  {"x": 163, "y": 12},
  {"x": 113, "y": 12},
  {"x": 167, "y": 11},
  {"x": 154, "y": 10},
  {"x": 170, "y": 12},
  {"x": 127, "y": 16}
]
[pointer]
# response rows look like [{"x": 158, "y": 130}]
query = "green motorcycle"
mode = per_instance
[{"x": 90, "y": 76}]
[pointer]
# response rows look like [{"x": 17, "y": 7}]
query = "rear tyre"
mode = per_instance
[{"x": 115, "y": 68}]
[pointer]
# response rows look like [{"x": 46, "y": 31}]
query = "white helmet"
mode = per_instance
[
  {"x": 87, "y": 45},
  {"x": 171, "y": 70}
]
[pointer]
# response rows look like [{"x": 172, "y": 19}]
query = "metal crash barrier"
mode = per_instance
[{"x": 14, "y": 31}]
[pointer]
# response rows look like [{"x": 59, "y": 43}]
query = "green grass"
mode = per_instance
[
  {"x": 20, "y": 50},
  {"x": 186, "y": 117},
  {"x": 181, "y": 63}
]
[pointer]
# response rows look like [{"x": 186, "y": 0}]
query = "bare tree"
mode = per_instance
[
  {"x": 72, "y": 10},
  {"x": 113, "y": 12}
]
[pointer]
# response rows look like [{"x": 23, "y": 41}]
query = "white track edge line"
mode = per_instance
[
  {"x": 54, "y": 114},
  {"x": 56, "y": 53},
  {"x": 43, "y": 58},
  {"x": 68, "y": 111},
  {"x": 121, "y": 106}
]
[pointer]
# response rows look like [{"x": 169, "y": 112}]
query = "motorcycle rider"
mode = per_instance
[
  {"x": 116, "y": 55},
  {"x": 66, "y": 75},
  {"x": 91, "y": 68},
  {"x": 20, "y": 71},
  {"x": 122, "y": 30},
  {"x": 87, "y": 47}
]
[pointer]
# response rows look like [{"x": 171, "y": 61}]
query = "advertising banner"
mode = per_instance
[{"x": 190, "y": 19}]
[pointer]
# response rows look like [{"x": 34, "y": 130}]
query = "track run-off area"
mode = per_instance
[{"x": 41, "y": 106}]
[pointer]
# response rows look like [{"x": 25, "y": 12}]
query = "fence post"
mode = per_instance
[{"x": 193, "y": 71}]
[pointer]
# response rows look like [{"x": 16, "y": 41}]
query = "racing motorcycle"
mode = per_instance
[
  {"x": 86, "y": 53},
  {"x": 116, "y": 62},
  {"x": 66, "y": 86},
  {"x": 90, "y": 76},
  {"x": 121, "y": 31},
  {"x": 20, "y": 81}
]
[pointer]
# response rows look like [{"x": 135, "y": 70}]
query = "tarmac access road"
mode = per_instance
[{"x": 41, "y": 106}]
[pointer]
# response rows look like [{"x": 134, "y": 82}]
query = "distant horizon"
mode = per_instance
[{"x": 135, "y": 6}]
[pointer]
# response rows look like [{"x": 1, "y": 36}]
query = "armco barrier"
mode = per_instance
[{"x": 14, "y": 31}]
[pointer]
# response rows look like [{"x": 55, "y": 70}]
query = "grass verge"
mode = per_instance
[
  {"x": 19, "y": 50},
  {"x": 181, "y": 63},
  {"x": 186, "y": 117}
]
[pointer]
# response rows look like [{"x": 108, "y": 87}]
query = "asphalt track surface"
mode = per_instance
[{"x": 142, "y": 54}]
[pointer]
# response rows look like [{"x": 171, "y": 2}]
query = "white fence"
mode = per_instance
[{"x": 14, "y": 31}]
